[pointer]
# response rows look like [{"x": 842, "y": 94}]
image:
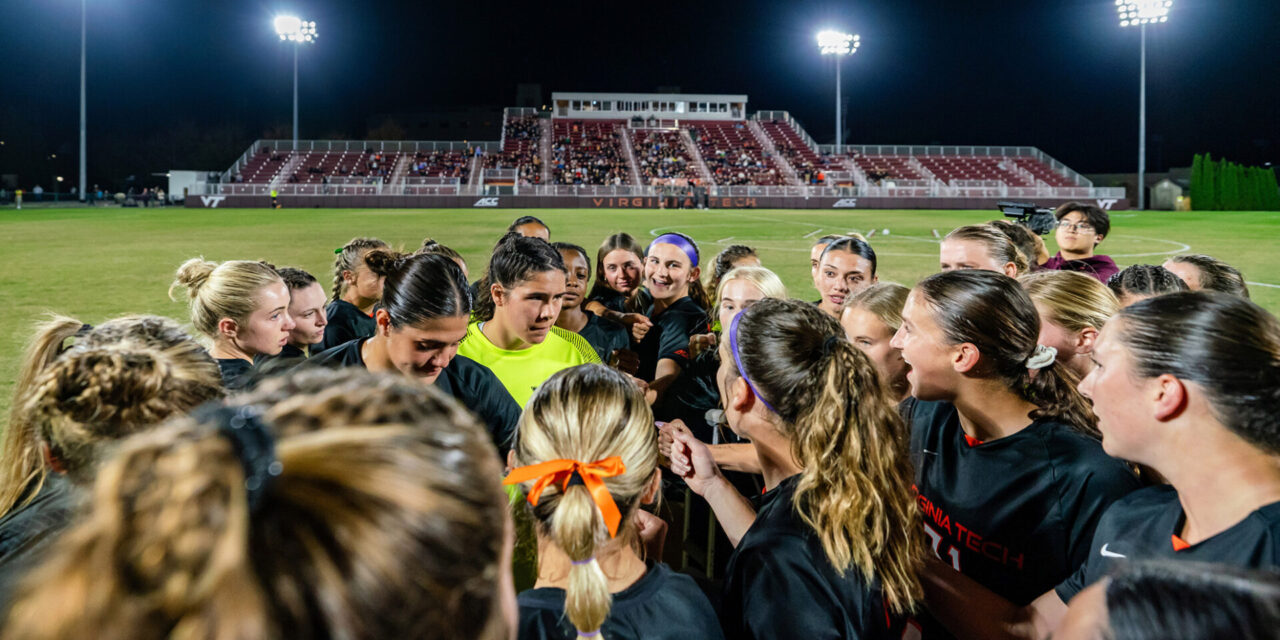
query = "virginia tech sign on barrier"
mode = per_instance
[{"x": 613, "y": 202}]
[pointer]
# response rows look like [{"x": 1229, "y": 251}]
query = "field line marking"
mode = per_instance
[
  {"x": 723, "y": 240},
  {"x": 812, "y": 233},
  {"x": 1182, "y": 246},
  {"x": 1263, "y": 284}
]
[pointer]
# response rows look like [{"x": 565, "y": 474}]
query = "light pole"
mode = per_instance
[
  {"x": 84, "y": 163},
  {"x": 838, "y": 44},
  {"x": 299, "y": 32},
  {"x": 1140, "y": 13}
]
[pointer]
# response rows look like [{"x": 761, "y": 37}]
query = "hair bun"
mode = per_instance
[{"x": 193, "y": 274}]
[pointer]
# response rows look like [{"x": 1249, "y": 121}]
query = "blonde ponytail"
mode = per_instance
[
  {"x": 587, "y": 414},
  {"x": 22, "y": 464},
  {"x": 576, "y": 527}
]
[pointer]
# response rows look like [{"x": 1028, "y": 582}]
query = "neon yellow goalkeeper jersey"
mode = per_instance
[{"x": 521, "y": 372}]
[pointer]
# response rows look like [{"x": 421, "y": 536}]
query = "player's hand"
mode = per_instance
[
  {"x": 701, "y": 343},
  {"x": 625, "y": 360},
  {"x": 639, "y": 324},
  {"x": 691, "y": 460},
  {"x": 652, "y": 531}
]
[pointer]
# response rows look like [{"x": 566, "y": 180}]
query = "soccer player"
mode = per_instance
[
  {"x": 618, "y": 288},
  {"x": 980, "y": 246},
  {"x": 356, "y": 290},
  {"x": 834, "y": 549},
  {"x": 426, "y": 305},
  {"x": 869, "y": 319},
  {"x": 1186, "y": 384},
  {"x": 846, "y": 266},
  {"x": 377, "y": 497},
  {"x": 531, "y": 227},
  {"x": 1073, "y": 307},
  {"x": 1009, "y": 476},
  {"x": 1204, "y": 272},
  {"x": 123, "y": 377},
  {"x": 610, "y": 340},
  {"x": 730, "y": 258},
  {"x": 306, "y": 307},
  {"x": 1142, "y": 281},
  {"x": 243, "y": 306},
  {"x": 678, "y": 310},
  {"x": 586, "y": 459},
  {"x": 515, "y": 333},
  {"x": 1081, "y": 228}
]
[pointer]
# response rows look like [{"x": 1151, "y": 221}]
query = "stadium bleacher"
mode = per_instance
[
  {"x": 521, "y": 136},
  {"x": 732, "y": 154},
  {"x": 588, "y": 152},
  {"x": 661, "y": 156}
]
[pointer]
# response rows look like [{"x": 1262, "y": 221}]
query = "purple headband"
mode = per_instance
[
  {"x": 680, "y": 242},
  {"x": 737, "y": 359}
]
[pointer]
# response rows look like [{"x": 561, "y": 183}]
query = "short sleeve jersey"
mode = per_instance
[
  {"x": 469, "y": 382},
  {"x": 661, "y": 605},
  {"x": 1145, "y": 524},
  {"x": 668, "y": 338},
  {"x": 1015, "y": 514},
  {"x": 236, "y": 373},
  {"x": 523, "y": 370},
  {"x": 780, "y": 583},
  {"x": 346, "y": 323}
]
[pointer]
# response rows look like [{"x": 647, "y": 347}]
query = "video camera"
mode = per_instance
[{"x": 1040, "y": 221}]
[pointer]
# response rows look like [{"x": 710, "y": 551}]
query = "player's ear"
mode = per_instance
[
  {"x": 1086, "y": 340},
  {"x": 383, "y": 321},
  {"x": 1010, "y": 269},
  {"x": 228, "y": 328},
  {"x": 498, "y": 294},
  {"x": 964, "y": 357}
]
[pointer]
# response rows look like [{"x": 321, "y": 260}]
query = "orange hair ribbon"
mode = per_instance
[{"x": 561, "y": 472}]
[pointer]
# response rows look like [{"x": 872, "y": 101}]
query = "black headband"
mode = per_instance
[{"x": 252, "y": 442}]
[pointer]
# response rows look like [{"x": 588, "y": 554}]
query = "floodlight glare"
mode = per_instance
[
  {"x": 1139, "y": 12},
  {"x": 837, "y": 43},
  {"x": 287, "y": 26}
]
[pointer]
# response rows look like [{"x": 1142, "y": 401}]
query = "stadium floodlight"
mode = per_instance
[
  {"x": 299, "y": 32},
  {"x": 1140, "y": 13},
  {"x": 838, "y": 44}
]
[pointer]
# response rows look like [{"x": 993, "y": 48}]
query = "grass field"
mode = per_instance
[{"x": 94, "y": 264}]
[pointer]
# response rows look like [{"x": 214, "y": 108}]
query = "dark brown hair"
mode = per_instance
[
  {"x": 993, "y": 313},
  {"x": 1215, "y": 275}
]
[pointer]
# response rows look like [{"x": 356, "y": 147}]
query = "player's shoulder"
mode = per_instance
[
  {"x": 1143, "y": 504},
  {"x": 577, "y": 344}
]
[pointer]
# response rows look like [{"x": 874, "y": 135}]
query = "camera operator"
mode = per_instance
[{"x": 1081, "y": 227}]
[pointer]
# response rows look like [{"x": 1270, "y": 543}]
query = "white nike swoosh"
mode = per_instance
[{"x": 1110, "y": 554}]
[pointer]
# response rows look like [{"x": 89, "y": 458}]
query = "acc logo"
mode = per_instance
[
  {"x": 1107, "y": 204},
  {"x": 845, "y": 203},
  {"x": 486, "y": 202},
  {"x": 212, "y": 202}
]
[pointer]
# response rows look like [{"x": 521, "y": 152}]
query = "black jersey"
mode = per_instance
[
  {"x": 691, "y": 396},
  {"x": 780, "y": 583},
  {"x": 1015, "y": 514},
  {"x": 604, "y": 336},
  {"x": 611, "y": 299},
  {"x": 35, "y": 523},
  {"x": 661, "y": 605},
  {"x": 346, "y": 323},
  {"x": 236, "y": 373},
  {"x": 1144, "y": 526},
  {"x": 669, "y": 335},
  {"x": 468, "y": 381}
]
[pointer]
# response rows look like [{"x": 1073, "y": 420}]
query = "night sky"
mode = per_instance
[{"x": 1057, "y": 74}]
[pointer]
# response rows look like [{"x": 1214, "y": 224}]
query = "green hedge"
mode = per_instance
[{"x": 1218, "y": 185}]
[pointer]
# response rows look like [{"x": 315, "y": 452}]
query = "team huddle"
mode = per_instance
[{"x": 1018, "y": 446}]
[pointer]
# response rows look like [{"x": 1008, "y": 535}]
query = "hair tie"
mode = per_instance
[
  {"x": 339, "y": 250},
  {"x": 252, "y": 443},
  {"x": 582, "y": 562},
  {"x": 588, "y": 634},
  {"x": 829, "y": 345},
  {"x": 680, "y": 242},
  {"x": 562, "y": 472},
  {"x": 737, "y": 360},
  {"x": 1042, "y": 357},
  {"x": 83, "y": 330}
]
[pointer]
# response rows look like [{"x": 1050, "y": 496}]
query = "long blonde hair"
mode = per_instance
[
  {"x": 385, "y": 521},
  {"x": 844, "y": 429},
  {"x": 59, "y": 386},
  {"x": 587, "y": 413},
  {"x": 95, "y": 395},
  {"x": 217, "y": 291},
  {"x": 1075, "y": 301},
  {"x": 998, "y": 245},
  {"x": 348, "y": 258}
]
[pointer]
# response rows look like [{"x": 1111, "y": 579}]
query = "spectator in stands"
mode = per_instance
[
  {"x": 1081, "y": 228},
  {"x": 1142, "y": 281},
  {"x": 1203, "y": 272}
]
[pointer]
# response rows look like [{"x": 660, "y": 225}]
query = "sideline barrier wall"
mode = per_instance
[{"x": 615, "y": 202}]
